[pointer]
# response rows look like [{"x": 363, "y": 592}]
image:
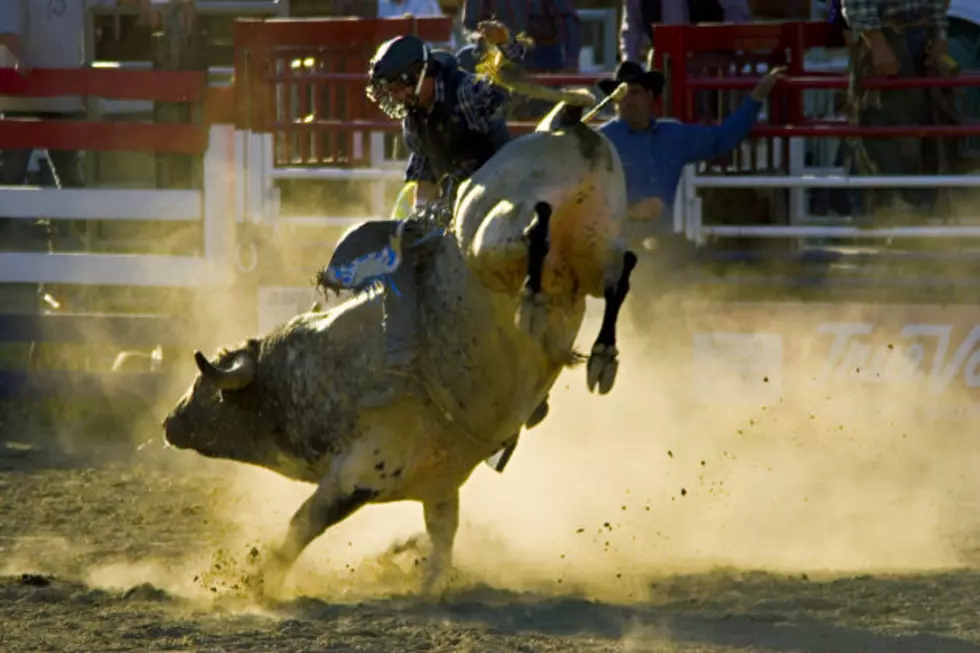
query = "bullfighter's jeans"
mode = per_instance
[
  {"x": 890, "y": 107},
  {"x": 61, "y": 170}
]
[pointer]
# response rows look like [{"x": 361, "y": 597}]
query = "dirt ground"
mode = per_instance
[{"x": 632, "y": 522}]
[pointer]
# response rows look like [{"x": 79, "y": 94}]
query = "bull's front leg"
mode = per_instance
[
  {"x": 441, "y": 523},
  {"x": 325, "y": 507},
  {"x": 603, "y": 362},
  {"x": 532, "y": 314}
]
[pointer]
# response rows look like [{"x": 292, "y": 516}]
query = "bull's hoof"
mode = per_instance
[
  {"x": 532, "y": 314},
  {"x": 271, "y": 579},
  {"x": 537, "y": 415},
  {"x": 601, "y": 368},
  {"x": 436, "y": 580}
]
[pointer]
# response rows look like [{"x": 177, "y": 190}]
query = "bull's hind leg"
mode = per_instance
[
  {"x": 532, "y": 314},
  {"x": 603, "y": 363},
  {"x": 323, "y": 509},
  {"x": 441, "y": 523}
]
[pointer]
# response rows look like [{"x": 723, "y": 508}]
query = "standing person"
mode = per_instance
[
  {"x": 896, "y": 39},
  {"x": 654, "y": 152},
  {"x": 636, "y": 31}
]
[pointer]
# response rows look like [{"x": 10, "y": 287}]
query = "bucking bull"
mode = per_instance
[{"x": 502, "y": 298}]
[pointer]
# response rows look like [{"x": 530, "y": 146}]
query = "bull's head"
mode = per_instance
[{"x": 220, "y": 414}]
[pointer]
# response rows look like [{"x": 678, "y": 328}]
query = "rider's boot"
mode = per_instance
[{"x": 399, "y": 378}]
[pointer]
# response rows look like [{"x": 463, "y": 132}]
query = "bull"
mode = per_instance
[{"x": 502, "y": 298}]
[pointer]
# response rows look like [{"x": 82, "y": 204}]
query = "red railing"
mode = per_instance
[
  {"x": 685, "y": 55},
  {"x": 284, "y": 69},
  {"x": 303, "y": 81},
  {"x": 156, "y": 86}
]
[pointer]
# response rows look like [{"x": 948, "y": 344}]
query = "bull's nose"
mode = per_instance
[{"x": 172, "y": 435}]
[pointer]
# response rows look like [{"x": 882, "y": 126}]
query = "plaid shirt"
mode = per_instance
[
  {"x": 862, "y": 15},
  {"x": 478, "y": 102}
]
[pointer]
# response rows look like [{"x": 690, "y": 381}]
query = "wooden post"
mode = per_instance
[{"x": 179, "y": 44}]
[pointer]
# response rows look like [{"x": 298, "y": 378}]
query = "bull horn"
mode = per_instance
[{"x": 238, "y": 375}]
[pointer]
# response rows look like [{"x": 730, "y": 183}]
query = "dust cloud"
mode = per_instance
[{"x": 612, "y": 495}]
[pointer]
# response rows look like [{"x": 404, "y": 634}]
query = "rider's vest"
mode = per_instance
[{"x": 448, "y": 143}]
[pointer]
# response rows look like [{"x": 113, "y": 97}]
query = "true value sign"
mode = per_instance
[
  {"x": 771, "y": 348},
  {"x": 932, "y": 354}
]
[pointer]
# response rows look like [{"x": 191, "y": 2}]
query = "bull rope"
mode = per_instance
[{"x": 506, "y": 74}]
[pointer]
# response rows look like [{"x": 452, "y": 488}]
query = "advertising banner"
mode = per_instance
[{"x": 746, "y": 351}]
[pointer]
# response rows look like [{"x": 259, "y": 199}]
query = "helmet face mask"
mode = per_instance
[
  {"x": 396, "y": 99},
  {"x": 397, "y": 71}
]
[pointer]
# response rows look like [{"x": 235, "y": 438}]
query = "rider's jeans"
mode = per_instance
[{"x": 401, "y": 312}]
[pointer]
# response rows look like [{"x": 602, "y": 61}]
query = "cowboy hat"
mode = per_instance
[{"x": 630, "y": 72}]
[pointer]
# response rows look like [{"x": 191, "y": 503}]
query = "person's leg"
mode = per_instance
[
  {"x": 66, "y": 173},
  {"x": 20, "y": 234},
  {"x": 885, "y": 107}
]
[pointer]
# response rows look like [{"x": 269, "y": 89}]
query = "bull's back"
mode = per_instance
[{"x": 578, "y": 172}]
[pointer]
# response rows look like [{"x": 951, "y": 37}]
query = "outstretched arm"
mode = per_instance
[
  {"x": 704, "y": 142},
  {"x": 709, "y": 141}
]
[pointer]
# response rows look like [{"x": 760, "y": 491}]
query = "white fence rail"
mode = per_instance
[{"x": 217, "y": 206}]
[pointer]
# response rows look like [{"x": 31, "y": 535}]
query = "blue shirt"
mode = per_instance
[{"x": 654, "y": 159}]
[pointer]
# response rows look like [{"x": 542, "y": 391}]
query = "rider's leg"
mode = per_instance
[{"x": 401, "y": 315}]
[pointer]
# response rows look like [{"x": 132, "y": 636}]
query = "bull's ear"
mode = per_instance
[{"x": 235, "y": 376}]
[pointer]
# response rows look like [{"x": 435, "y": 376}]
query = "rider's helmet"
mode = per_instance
[{"x": 396, "y": 73}]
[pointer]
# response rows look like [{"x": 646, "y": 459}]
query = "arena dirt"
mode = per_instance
[{"x": 633, "y": 522}]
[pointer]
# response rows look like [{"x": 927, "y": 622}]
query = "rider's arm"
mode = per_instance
[
  {"x": 482, "y": 104},
  {"x": 419, "y": 172},
  {"x": 514, "y": 50},
  {"x": 418, "y": 168},
  {"x": 425, "y": 192}
]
